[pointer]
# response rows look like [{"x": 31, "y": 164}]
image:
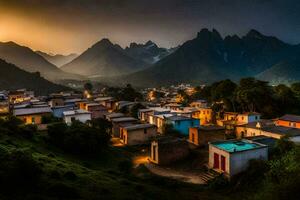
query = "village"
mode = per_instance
[{"x": 188, "y": 142}]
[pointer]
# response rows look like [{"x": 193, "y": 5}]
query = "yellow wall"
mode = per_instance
[
  {"x": 204, "y": 114},
  {"x": 28, "y": 119}
]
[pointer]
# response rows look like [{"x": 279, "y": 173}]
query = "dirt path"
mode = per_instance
[{"x": 189, "y": 177}]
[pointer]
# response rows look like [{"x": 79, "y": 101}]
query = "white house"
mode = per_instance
[
  {"x": 79, "y": 115},
  {"x": 232, "y": 156}
]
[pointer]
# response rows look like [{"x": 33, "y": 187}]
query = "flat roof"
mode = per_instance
[
  {"x": 232, "y": 146},
  {"x": 123, "y": 119},
  {"x": 30, "y": 111},
  {"x": 179, "y": 118},
  {"x": 138, "y": 126},
  {"x": 75, "y": 112},
  {"x": 103, "y": 98},
  {"x": 114, "y": 115},
  {"x": 292, "y": 118}
]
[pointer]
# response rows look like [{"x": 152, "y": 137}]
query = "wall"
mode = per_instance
[
  {"x": 183, "y": 125},
  {"x": 81, "y": 117},
  {"x": 138, "y": 136},
  {"x": 287, "y": 123},
  {"x": 28, "y": 119},
  {"x": 239, "y": 161},
  {"x": 220, "y": 152},
  {"x": 172, "y": 154},
  {"x": 204, "y": 114}
]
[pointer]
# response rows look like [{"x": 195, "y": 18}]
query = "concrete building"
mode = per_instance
[
  {"x": 292, "y": 121},
  {"x": 118, "y": 123},
  {"x": 110, "y": 116},
  {"x": 97, "y": 110},
  {"x": 166, "y": 150},
  {"x": 76, "y": 115},
  {"x": 202, "y": 135},
  {"x": 232, "y": 156},
  {"x": 137, "y": 133},
  {"x": 32, "y": 115},
  {"x": 182, "y": 124}
]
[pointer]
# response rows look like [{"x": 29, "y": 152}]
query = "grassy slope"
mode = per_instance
[{"x": 97, "y": 178}]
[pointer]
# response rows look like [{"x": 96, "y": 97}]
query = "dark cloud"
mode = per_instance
[{"x": 169, "y": 22}]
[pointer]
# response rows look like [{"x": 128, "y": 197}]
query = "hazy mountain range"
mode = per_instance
[
  {"x": 207, "y": 58},
  {"x": 30, "y": 61},
  {"x": 210, "y": 57},
  {"x": 57, "y": 59}
]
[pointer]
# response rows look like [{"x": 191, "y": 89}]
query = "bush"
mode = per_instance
[
  {"x": 219, "y": 182},
  {"x": 79, "y": 138},
  {"x": 28, "y": 131}
]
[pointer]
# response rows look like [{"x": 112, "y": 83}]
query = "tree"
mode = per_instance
[{"x": 88, "y": 86}]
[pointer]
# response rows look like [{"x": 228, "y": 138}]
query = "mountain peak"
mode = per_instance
[
  {"x": 104, "y": 42},
  {"x": 254, "y": 34},
  {"x": 205, "y": 33},
  {"x": 149, "y": 43}
]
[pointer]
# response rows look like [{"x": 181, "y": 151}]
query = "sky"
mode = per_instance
[{"x": 71, "y": 26}]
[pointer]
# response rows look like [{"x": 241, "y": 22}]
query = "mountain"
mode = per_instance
[
  {"x": 148, "y": 52},
  {"x": 104, "y": 59},
  {"x": 209, "y": 57},
  {"x": 30, "y": 61},
  {"x": 58, "y": 59},
  {"x": 12, "y": 78}
]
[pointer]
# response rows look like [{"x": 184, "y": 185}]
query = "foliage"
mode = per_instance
[
  {"x": 88, "y": 86},
  {"x": 47, "y": 119},
  {"x": 283, "y": 179},
  {"x": 127, "y": 93},
  {"x": 251, "y": 95},
  {"x": 80, "y": 138}
]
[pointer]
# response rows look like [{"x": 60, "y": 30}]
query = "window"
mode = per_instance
[
  {"x": 72, "y": 119},
  {"x": 256, "y": 117},
  {"x": 145, "y": 131},
  {"x": 292, "y": 124},
  {"x": 33, "y": 120}
]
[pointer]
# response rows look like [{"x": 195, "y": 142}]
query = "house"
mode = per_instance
[
  {"x": 204, "y": 115},
  {"x": 182, "y": 124},
  {"x": 248, "y": 117},
  {"x": 110, "y": 116},
  {"x": 268, "y": 128},
  {"x": 105, "y": 101},
  {"x": 232, "y": 156},
  {"x": 292, "y": 121},
  {"x": 76, "y": 115},
  {"x": 4, "y": 107},
  {"x": 232, "y": 119},
  {"x": 97, "y": 110},
  {"x": 58, "y": 110},
  {"x": 18, "y": 96},
  {"x": 56, "y": 102},
  {"x": 72, "y": 101},
  {"x": 137, "y": 133},
  {"x": 166, "y": 150},
  {"x": 202, "y": 135},
  {"x": 173, "y": 106},
  {"x": 143, "y": 114},
  {"x": 32, "y": 115},
  {"x": 117, "y": 123},
  {"x": 199, "y": 104},
  {"x": 159, "y": 120}
]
